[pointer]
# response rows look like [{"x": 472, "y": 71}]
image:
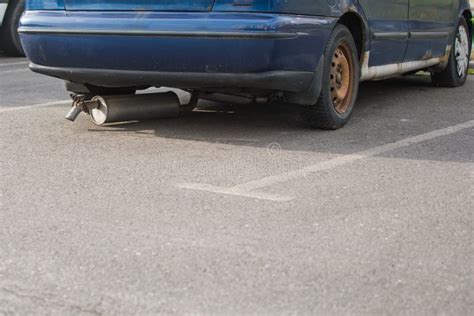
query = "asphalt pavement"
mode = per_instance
[{"x": 237, "y": 209}]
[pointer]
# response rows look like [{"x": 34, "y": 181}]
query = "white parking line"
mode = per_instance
[
  {"x": 248, "y": 189},
  {"x": 235, "y": 191},
  {"x": 26, "y": 107},
  {"x": 14, "y": 64}
]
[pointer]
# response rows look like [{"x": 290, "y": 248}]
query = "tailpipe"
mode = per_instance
[{"x": 120, "y": 108}]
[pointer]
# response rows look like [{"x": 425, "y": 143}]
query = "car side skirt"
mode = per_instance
[{"x": 393, "y": 70}]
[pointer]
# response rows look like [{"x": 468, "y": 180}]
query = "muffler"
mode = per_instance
[
  {"x": 120, "y": 108},
  {"x": 139, "y": 107}
]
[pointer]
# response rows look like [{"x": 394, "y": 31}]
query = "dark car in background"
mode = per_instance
[
  {"x": 307, "y": 52},
  {"x": 10, "y": 14}
]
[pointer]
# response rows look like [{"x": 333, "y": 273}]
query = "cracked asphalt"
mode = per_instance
[{"x": 163, "y": 216}]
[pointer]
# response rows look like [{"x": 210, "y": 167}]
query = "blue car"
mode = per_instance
[{"x": 312, "y": 53}]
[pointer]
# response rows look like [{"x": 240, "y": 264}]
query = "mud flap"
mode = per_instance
[{"x": 311, "y": 95}]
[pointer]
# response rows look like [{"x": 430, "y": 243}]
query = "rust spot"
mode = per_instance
[
  {"x": 445, "y": 58},
  {"x": 427, "y": 55}
]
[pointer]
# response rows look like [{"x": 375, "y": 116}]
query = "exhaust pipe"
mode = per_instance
[
  {"x": 226, "y": 98},
  {"x": 119, "y": 108}
]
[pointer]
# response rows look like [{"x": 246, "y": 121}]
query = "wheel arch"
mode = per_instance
[
  {"x": 359, "y": 29},
  {"x": 467, "y": 14},
  {"x": 464, "y": 10}
]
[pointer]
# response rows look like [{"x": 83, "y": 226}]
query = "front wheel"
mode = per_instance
[
  {"x": 340, "y": 83},
  {"x": 455, "y": 73}
]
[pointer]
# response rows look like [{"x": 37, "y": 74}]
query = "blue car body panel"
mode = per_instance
[{"x": 386, "y": 17}]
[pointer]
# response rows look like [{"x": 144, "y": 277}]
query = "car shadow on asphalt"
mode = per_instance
[{"x": 386, "y": 111}]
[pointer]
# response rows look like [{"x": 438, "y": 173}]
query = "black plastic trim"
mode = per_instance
[
  {"x": 429, "y": 35},
  {"x": 284, "y": 80},
  {"x": 390, "y": 35}
]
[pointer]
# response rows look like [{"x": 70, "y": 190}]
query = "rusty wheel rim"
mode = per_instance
[{"x": 341, "y": 78}]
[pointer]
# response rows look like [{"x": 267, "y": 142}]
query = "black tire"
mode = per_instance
[
  {"x": 9, "y": 37},
  {"x": 327, "y": 113},
  {"x": 450, "y": 77}
]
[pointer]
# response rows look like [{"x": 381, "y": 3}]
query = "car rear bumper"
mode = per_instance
[{"x": 176, "y": 49}]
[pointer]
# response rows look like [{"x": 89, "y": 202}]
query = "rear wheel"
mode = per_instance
[
  {"x": 340, "y": 84},
  {"x": 455, "y": 73},
  {"x": 9, "y": 37}
]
